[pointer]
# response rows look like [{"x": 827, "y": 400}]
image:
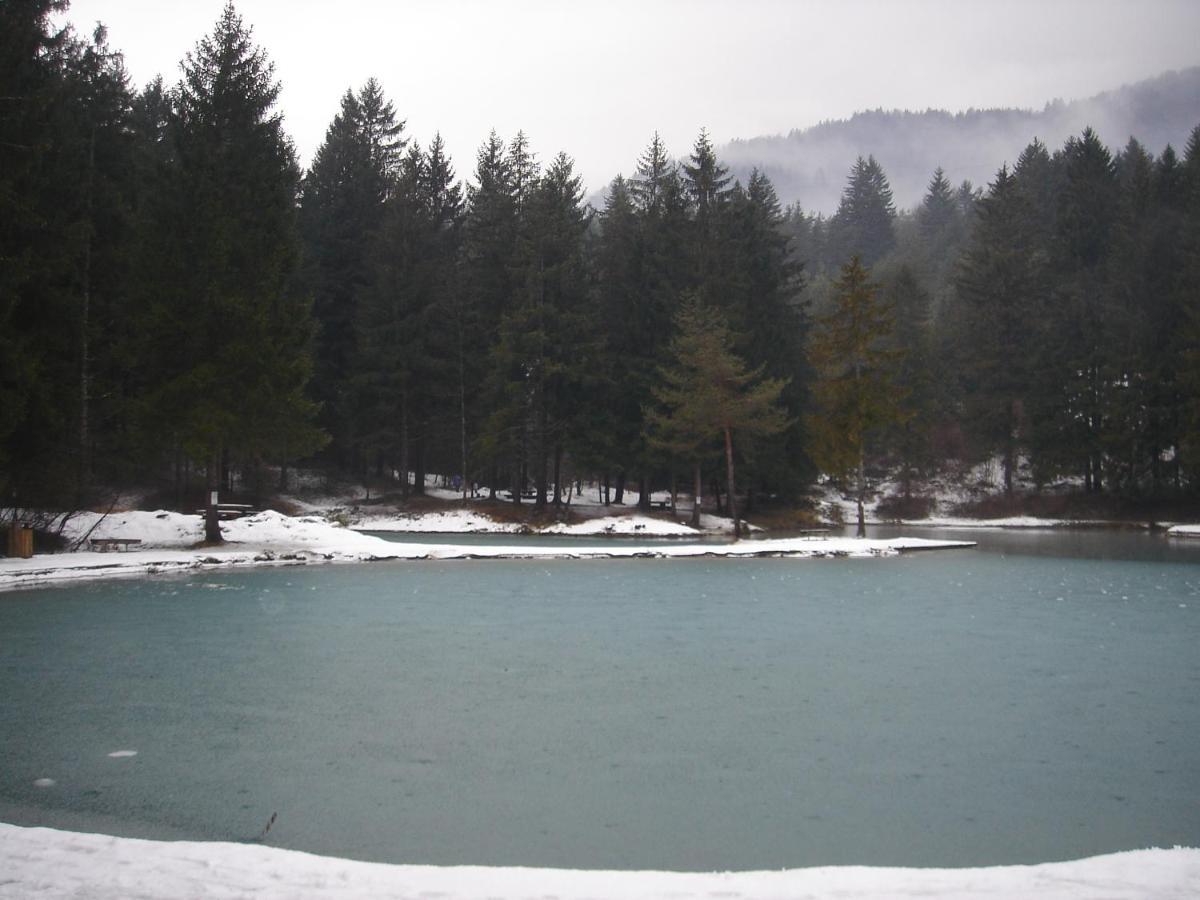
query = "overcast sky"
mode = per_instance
[{"x": 597, "y": 78}]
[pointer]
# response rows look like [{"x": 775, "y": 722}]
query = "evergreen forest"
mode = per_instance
[{"x": 183, "y": 306}]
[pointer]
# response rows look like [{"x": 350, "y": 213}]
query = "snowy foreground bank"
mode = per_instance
[
  {"x": 270, "y": 538},
  {"x": 43, "y": 862}
]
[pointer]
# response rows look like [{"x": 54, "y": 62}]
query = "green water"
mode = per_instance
[{"x": 1015, "y": 703}]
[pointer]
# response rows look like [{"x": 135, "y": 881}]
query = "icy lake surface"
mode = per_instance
[{"x": 1035, "y": 699}]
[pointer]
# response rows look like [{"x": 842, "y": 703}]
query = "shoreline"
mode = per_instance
[
  {"x": 60, "y": 864},
  {"x": 360, "y": 548}
]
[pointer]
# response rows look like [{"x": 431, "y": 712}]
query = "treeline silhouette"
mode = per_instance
[{"x": 180, "y": 304}]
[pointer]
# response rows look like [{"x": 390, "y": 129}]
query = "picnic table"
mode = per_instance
[{"x": 105, "y": 544}]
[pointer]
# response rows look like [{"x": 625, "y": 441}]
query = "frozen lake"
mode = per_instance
[{"x": 1035, "y": 699}]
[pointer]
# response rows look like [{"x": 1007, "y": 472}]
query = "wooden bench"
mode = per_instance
[
  {"x": 660, "y": 504},
  {"x": 103, "y": 545},
  {"x": 230, "y": 510}
]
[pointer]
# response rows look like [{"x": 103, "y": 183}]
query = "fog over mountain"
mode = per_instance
[{"x": 810, "y": 165}]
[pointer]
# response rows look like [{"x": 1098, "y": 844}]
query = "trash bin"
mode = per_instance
[{"x": 20, "y": 541}]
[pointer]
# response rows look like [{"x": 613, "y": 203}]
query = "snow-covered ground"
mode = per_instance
[
  {"x": 1184, "y": 531},
  {"x": 271, "y": 538},
  {"x": 42, "y": 862},
  {"x": 450, "y": 521}
]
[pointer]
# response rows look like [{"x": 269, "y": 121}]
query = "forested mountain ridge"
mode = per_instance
[{"x": 809, "y": 165}]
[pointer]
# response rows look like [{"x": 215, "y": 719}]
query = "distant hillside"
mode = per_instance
[{"x": 811, "y": 165}]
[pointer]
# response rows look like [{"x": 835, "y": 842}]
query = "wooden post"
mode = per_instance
[
  {"x": 730, "y": 491},
  {"x": 20, "y": 541}
]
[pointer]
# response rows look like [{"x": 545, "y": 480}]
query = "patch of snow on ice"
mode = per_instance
[{"x": 122, "y": 754}]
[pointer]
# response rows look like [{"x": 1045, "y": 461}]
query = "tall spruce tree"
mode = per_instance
[
  {"x": 66, "y": 186},
  {"x": 408, "y": 369},
  {"x": 353, "y": 173},
  {"x": 232, "y": 335},
  {"x": 545, "y": 338},
  {"x": 1078, "y": 366},
  {"x": 760, "y": 292},
  {"x": 1003, "y": 283},
  {"x": 863, "y": 224},
  {"x": 856, "y": 394},
  {"x": 706, "y": 182},
  {"x": 489, "y": 245},
  {"x": 638, "y": 330},
  {"x": 910, "y": 436}
]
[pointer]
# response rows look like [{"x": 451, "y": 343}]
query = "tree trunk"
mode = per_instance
[
  {"x": 542, "y": 453},
  {"x": 85, "y": 456},
  {"x": 674, "y": 491},
  {"x": 418, "y": 463},
  {"x": 178, "y": 478},
  {"x": 212, "y": 520},
  {"x": 696, "y": 497},
  {"x": 619, "y": 500},
  {"x": 558, "y": 456},
  {"x": 730, "y": 489},
  {"x": 606, "y": 490},
  {"x": 462, "y": 397},
  {"x": 862, "y": 491},
  {"x": 1010, "y": 438},
  {"x": 404, "y": 445},
  {"x": 644, "y": 493}
]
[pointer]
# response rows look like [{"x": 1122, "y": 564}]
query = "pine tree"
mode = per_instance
[
  {"x": 489, "y": 246},
  {"x": 615, "y": 405},
  {"x": 410, "y": 369},
  {"x": 1004, "y": 292},
  {"x": 863, "y": 224},
  {"x": 1079, "y": 375},
  {"x": 706, "y": 393},
  {"x": 66, "y": 187},
  {"x": 939, "y": 208},
  {"x": 856, "y": 394},
  {"x": 639, "y": 327},
  {"x": 231, "y": 334},
  {"x": 545, "y": 338},
  {"x": 706, "y": 182},
  {"x": 1184, "y": 300},
  {"x": 341, "y": 208},
  {"x": 914, "y": 375},
  {"x": 761, "y": 283},
  {"x": 654, "y": 169}
]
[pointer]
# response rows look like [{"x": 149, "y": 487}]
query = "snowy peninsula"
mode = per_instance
[{"x": 168, "y": 543}]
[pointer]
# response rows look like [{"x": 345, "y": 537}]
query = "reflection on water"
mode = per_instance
[{"x": 1000, "y": 705}]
